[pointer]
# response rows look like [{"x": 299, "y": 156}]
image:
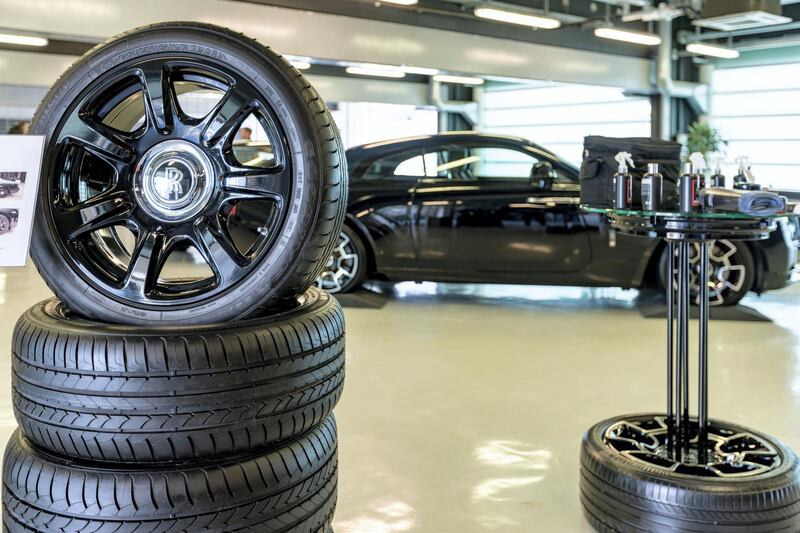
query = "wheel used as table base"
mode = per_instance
[
  {"x": 630, "y": 482},
  {"x": 675, "y": 471}
]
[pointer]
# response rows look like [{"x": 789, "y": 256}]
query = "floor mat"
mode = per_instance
[
  {"x": 654, "y": 305},
  {"x": 363, "y": 299}
]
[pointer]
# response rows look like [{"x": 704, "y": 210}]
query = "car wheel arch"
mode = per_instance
[
  {"x": 369, "y": 245},
  {"x": 760, "y": 261}
]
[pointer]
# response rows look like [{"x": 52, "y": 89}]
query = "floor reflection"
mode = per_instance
[{"x": 384, "y": 518}]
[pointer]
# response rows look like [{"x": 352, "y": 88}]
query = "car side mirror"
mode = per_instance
[{"x": 543, "y": 175}]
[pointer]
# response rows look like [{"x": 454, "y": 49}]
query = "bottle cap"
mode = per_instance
[
  {"x": 698, "y": 162},
  {"x": 719, "y": 157},
  {"x": 652, "y": 168}
]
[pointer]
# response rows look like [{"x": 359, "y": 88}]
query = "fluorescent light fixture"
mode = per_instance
[
  {"x": 299, "y": 62},
  {"x": 23, "y": 40},
  {"x": 422, "y": 71},
  {"x": 628, "y": 36},
  {"x": 463, "y": 80},
  {"x": 712, "y": 50},
  {"x": 380, "y": 71},
  {"x": 510, "y": 16},
  {"x": 401, "y": 2}
]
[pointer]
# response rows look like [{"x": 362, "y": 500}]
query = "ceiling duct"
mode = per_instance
[{"x": 731, "y": 15}]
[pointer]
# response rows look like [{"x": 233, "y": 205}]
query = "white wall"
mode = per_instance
[
  {"x": 559, "y": 116},
  {"x": 757, "y": 109}
]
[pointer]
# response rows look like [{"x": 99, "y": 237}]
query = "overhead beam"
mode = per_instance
[{"x": 337, "y": 37}]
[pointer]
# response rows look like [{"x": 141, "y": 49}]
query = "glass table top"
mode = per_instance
[{"x": 676, "y": 214}]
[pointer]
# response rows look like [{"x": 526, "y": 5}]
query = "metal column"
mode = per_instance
[{"x": 702, "y": 399}]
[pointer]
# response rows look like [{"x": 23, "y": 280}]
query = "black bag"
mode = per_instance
[{"x": 599, "y": 167}]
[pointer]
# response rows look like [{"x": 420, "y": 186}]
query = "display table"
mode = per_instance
[{"x": 677, "y": 441}]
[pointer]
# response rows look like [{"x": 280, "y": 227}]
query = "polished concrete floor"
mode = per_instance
[{"x": 465, "y": 405}]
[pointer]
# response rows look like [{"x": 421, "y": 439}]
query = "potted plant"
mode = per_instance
[{"x": 704, "y": 139}]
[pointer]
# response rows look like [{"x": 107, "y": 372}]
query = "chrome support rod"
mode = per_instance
[
  {"x": 670, "y": 348},
  {"x": 679, "y": 369},
  {"x": 684, "y": 292},
  {"x": 702, "y": 399}
]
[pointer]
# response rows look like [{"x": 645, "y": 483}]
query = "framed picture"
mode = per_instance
[{"x": 20, "y": 163}]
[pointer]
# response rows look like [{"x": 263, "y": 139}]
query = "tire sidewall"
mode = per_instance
[{"x": 263, "y": 71}]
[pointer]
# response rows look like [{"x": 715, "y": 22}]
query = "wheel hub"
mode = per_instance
[{"x": 174, "y": 181}]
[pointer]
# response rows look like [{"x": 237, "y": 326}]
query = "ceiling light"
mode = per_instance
[
  {"x": 516, "y": 17},
  {"x": 422, "y": 71},
  {"x": 376, "y": 71},
  {"x": 628, "y": 36},
  {"x": 23, "y": 40},
  {"x": 463, "y": 80},
  {"x": 401, "y": 2},
  {"x": 712, "y": 50}
]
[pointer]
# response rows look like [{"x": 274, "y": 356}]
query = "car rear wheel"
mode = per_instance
[
  {"x": 143, "y": 163},
  {"x": 347, "y": 266},
  {"x": 732, "y": 272},
  {"x": 5, "y": 224}
]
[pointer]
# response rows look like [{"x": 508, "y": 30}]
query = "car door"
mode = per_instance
[
  {"x": 380, "y": 198},
  {"x": 479, "y": 211}
]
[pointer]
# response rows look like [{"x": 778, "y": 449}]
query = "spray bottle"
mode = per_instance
[
  {"x": 623, "y": 181},
  {"x": 652, "y": 188},
  {"x": 691, "y": 182},
  {"x": 744, "y": 180},
  {"x": 718, "y": 179},
  {"x": 699, "y": 166}
]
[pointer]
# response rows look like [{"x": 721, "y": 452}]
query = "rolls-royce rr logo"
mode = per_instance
[{"x": 169, "y": 185}]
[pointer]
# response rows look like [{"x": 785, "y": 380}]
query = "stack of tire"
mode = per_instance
[{"x": 152, "y": 404}]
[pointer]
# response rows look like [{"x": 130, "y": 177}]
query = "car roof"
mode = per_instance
[{"x": 377, "y": 149}]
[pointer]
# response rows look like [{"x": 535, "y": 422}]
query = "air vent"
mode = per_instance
[
  {"x": 728, "y": 15},
  {"x": 742, "y": 21}
]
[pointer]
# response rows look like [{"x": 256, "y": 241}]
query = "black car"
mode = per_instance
[
  {"x": 470, "y": 207},
  {"x": 7, "y": 188},
  {"x": 8, "y": 220}
]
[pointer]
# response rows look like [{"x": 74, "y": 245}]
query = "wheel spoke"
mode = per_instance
[
  {"x": 108, "y": 144},
  {"x": 219, "y": 251},
  {"x": 724, "y": 277},
  {"x": 221, "y": 124},
  {"x": 160, "y": 100},
  {"x": 254, "y": 184},
  {"x": 101, "y": 211},
  {"x": 146, "y": 261}
]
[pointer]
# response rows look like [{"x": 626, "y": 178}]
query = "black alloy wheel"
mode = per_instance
[{"x": 153, "y": 205}]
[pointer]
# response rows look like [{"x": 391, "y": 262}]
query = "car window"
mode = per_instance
[
  {"x": 403, "y": 164},
  {"x": 459, "y": 162},
  {"x": 465, "y": 162}
]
